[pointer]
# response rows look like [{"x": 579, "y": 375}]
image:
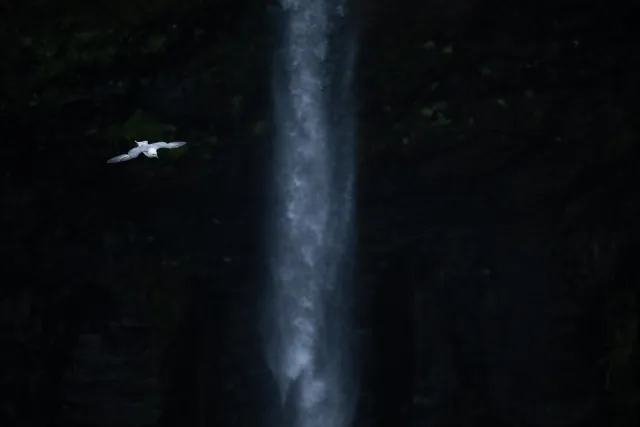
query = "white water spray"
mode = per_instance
[{"x": 311, "y": 246}]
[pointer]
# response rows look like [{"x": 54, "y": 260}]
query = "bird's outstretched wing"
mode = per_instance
[
  {"x": 169, "y": 144},
  {"x": 141, "y": 143},
  {"x": 121, "y": 158}
]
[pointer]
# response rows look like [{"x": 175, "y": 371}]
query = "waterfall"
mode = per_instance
[{"x": 308, "y": 326}]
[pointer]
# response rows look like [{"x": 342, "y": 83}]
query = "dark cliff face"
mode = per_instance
[{"x": 496, "y": 278}]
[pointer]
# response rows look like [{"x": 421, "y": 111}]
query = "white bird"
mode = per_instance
[{"x": 149, "y": 150}]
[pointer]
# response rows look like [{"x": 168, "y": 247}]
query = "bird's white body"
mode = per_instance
[{"x": 143, "y": 147}]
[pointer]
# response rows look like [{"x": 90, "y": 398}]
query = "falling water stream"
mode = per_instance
[{"x": 308, "y": 340}]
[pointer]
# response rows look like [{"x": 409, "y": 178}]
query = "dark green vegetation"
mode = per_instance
[{"x": 499, "y": 152}]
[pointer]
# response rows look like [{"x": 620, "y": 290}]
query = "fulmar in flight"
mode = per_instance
[{"x": 149, "y": 150}]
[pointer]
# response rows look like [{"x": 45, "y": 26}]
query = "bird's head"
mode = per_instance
[{"x": 152, "y": 153}]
